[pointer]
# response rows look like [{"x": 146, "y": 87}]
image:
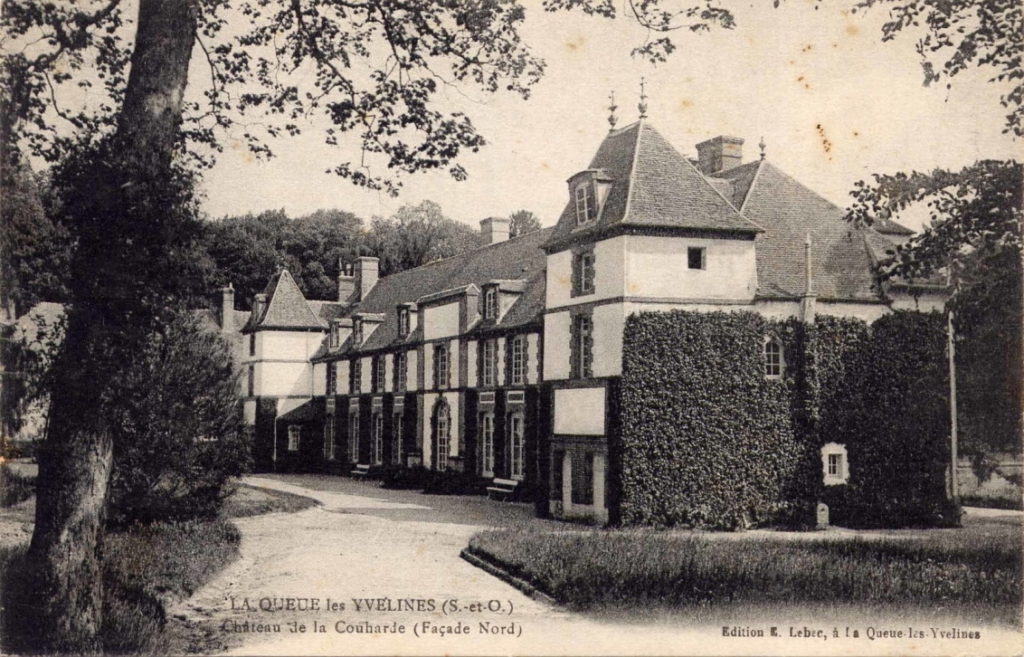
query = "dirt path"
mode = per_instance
[{"x": 402, "y": 549}]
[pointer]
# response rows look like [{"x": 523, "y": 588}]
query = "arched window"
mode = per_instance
[
  {"x": 517, "y": 446},
  {"x": 377, "y": 442},
  {"x": 487, "y": 444},
  {"x": 442, "y": 435},
  {"x": 773, "y": 360}
]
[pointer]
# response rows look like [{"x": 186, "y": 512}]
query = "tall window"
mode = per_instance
[
  {"x": 293, "y": 437},
  {"x": 489, "y": 363},
  {"x": 583, "y": 273},
  {"x": 401, "y": 370},
  {"x": 442, "y": 436},
  {"x": 517, "y": 446},
  {"x": 397, "y": 422},
  {"x": 517, "y": 360},
  {"x": 353, "y": 437},
  {"x": 582, "y": 478},
  {"x": 487, "y": 444},
  {"x": 252, "y": 380},
  {"x": 441, "y": 365},
  {"x": 329, "y": 438},
  {"x": 332, "y": 379},
  {"x": 403, "y": 322},
  {"x": 491, "y": 303},
  {"x": 585, "y": 203},
  {"x": 252, "y": 344},
  {"x": 379, "y": 373},
  {"x": 773, "y": 361},
  {"x": 355, "y": 376},
  {"x": 581, "y": 349},
  {"x": 335, "y": 335},
  {"x": 377, "y": 442}
]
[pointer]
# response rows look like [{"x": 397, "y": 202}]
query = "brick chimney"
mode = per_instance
[
  {"x": 719, "y": 154},
  {"x": 227, "y": 309},
  {"x": 367, "y": 271},
  {"x": 494, "y": 229},
  {"x": 346, "y": 281}
]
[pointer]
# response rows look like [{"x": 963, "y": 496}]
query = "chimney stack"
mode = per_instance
[
  {"x": 367, "y": 271},
  {"x": 346, "y": 281},
  {"x": 494, "y": 229},
  {"x": 719, "y": 154},
  {"x": 227, "y": 309}
]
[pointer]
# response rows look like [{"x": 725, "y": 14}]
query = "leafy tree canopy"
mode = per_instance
[{"x": 522, "y": 222}]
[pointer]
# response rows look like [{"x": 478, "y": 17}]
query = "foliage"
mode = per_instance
[
  {"x": 15, "y": 487},
  {"x": 177, "y": 427},
  {"x": 647, "y": 568},
  {"x": 144, "y": 569},
  {"x": 522, "y": 222},
  {"x": 708, "y": 441},
  {"x": 415, "y": 235},
  {"x": 432, "y": 482}
]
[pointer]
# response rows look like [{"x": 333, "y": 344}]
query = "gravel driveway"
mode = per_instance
[{"x": 399, "y": 550}]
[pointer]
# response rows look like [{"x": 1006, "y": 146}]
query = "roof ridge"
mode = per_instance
[
  {"x": 753, "y": 183},
  {"x": 715, "y": 189},
  {"x": 630, "y": 181}
]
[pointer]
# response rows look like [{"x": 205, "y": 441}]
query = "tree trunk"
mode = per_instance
[{"x": 106, "y": 320}]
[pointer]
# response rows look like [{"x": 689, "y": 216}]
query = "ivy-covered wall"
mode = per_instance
[{"x": 707, "y": 440}]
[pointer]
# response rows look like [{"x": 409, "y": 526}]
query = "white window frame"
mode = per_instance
[
  {"x": 491, "y": 303},
  {"x": 403, "y": 322},
  {"x": 329, "y": 437},
  {"x": 335, "y": 335},
  {"x": 582, "y": 203},
  {"x": 397, "y": 423},
  {"x": 294, "y": 437},
  {"x": 487, "y": 444},
  {"x": 489, "y": 364},
  {"x": 380, "y": 376},
  {"x": 441, "y": 365},
  {"x": 587, "y": 273},
  {"x": 517, "y": 446},
  {"x": 774, "y": 363},
  {"x": 517, "y": 360},
  {"x": 353, "y": 436},
  {"x": 837, "y": 451},
  {"x": 377, "y": 439},
  {"x": 401, "y": 370},
  {"x": 443, "y": 429}
]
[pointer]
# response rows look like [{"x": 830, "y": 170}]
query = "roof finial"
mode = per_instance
[
  {"x": 642, "y": 106},
  {"x": 762, "y": 146},
  {"x": 612, "y": 119}
]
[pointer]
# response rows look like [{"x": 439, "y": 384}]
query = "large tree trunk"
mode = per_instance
[{"x": 108, "y": 318}]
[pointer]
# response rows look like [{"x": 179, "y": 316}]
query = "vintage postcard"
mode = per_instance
[{"x": 510, "y": 327}]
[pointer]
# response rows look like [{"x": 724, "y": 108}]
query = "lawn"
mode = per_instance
[
  {"x": 617, "y": 569},
  {"x": 147, "y": 567}
]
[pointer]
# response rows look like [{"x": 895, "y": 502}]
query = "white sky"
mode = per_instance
[{"x": 780, "y": 74}]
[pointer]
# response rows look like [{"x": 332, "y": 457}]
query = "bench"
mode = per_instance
[
  {"x": 502, "y": 489},
  {"x": 360, "y": 471}
]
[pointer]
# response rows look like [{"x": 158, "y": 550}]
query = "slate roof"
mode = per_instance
[
  {"x": 286, "y": 307},
  {"x": 652, "y": 185},
  {"x": 519, "y": 258},
  {"x": 841, "y": 255}
]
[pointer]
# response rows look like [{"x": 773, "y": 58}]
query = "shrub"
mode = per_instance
[
  {"x": 451, "y": 482},
  {"x": 14, "y": 487},
  {"x": 177, "y": 426}
]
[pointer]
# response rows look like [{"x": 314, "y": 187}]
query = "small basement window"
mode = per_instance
[
  {"x": 696, "y": 257},
  {"x": 835, "y": 468}
]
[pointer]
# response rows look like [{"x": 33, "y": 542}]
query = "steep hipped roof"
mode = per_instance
[
  {"x": 652, "y": 185},
  {"x": 519, "y": 258},
  {"x": 286, "y": 307},
  {"x": 789, "y": 212}
]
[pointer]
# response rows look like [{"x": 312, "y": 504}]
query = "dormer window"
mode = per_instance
[
  {"x": 403, "y": 322},
  {"x": 491, "y": 303},
  {"x": 335, "y": 335},
  {"x": 357, "y": 332},
  {"x": 585, "y": 210}
]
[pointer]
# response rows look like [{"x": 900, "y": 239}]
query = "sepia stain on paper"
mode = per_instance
[
  {"x": 574, "y": 46},
  {"x": 826, "y": 143},
  {"x": 803, "y": 80}
]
